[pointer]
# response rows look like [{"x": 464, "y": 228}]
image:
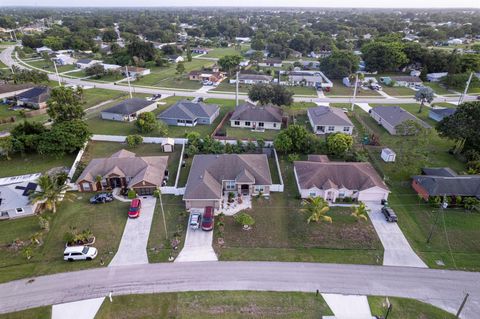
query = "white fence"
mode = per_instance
[
  {"x": 171, "y": 190},
  {"x": 77, "y": 160},
  {"x": 148, "y": 140},
  {"x": 276, "y": 188}
]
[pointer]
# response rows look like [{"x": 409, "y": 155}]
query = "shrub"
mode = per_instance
[
  {"x": 131, "y": 194},
  {"x": 244, "y": 219}
]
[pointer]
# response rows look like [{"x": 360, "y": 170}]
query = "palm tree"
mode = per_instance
[
  {"x": 360, "y": 212},
  {"x": 425, "y": 94},
  {"x": 52, "y": 190},
  {"x": 317, "y": 208}
]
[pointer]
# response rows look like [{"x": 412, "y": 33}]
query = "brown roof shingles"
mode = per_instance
[{"x": 351, "y": 175}]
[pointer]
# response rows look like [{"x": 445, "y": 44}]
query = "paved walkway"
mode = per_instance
[
  {"x": 85, "y": 309},
  {"x": 385, "y": 94},
  {"x": 197, "y": 247},
  {"x": 397, "y": 249},
  {"x": 348, "y": 306},
  {"x": 364, "y": 106}
]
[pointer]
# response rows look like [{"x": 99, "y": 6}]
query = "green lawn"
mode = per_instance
[
  {"x": 339, "y": 89},
  {"x": 220, "y": 52},
  {"x": 222, "y": 304},
  {"x": 48, "y": 66},
  {"x": 437, "y": 88},
  {"x": 33, "y": 163},
  {"x": 159, "y": 246},
  {"x": 248, "y": 134},
  {"x": 403, "y": 308},
  {"x": 34, "y": 313},
  {"x": 159, "y": 74},
  {"x": 398, "y": 91},
  {"x": 281, "y": 233},
  {"x": 180, "y": 82},
  {"x": 456, "y": 237},
  {"x": 225, "y": 86},
  {"x": 106, "y": 222},
  {"x": 303, "y": 90},
  {"x": 77, "y": 74},
  {"x": 95, "y": 96}
]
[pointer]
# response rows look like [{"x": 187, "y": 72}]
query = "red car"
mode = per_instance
[
  {"x": 208, "y": 218},
  {"x": 134, "y": 210}
]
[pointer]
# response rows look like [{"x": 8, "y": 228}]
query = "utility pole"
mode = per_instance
[
  {"x": 236, "y": 90},
  {"x": 462, "y": 305},
  {"x": 163, "y": 213},
  {"x": 56, "y": 72},
  {"x": 462, "y": 96},
  {"x": 128, "y": 80},
  {"x": 355, "y": 91},
  {"x": 442, "y": 207}
]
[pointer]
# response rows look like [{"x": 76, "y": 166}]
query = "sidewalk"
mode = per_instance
[{"x": 348, "y": 306}]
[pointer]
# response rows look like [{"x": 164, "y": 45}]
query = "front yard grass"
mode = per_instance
[
  {"x": 249, "y": 134},
  {"x": 437, "y": 88},
  {"x": 92, "y": 97},
  {"x": 48, "y": 66},
  {"x": 217, "y": 304},
  {"x": 403, "y": 308},
  {"x": 220, "y": 52},
  {"x": 456, "y": 236},
  {"x": 281, "y": 232},
  {"x": 398, "y": 91},
  {"x": 105, "y": 221},
  {"x": 176, "y": 217},
  {"x": 225, "y": 86},
  {"x": 339, "y": 89}
]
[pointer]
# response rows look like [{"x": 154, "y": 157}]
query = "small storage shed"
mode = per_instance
[
  {"x": 168, "y": 145},
  {"x": 388, "y": 155}
]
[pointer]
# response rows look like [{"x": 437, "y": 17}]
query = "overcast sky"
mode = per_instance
[{"x": 256, "y": 3}]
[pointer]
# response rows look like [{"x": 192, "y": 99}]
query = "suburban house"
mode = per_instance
[
  {"x": 438, "y": 114},
  {"x": 128, "y": 110},
  {"x": 310, "y": 65},
  {"x": 124, "y": 169},
  {"x": 320, "y": 54},
  {"x": 10, "y": 90},
  {"x": 415, "y": 73},
  {"x": 295, "y": 54},
  {"x": 257, "y": 117},
  {"x": 325, "y": 119},
  {"x": 188, "y": 113},
  {"x": 247, "y": 78},
  {"x": 64, "y": 59},
  {"x": 135, "y": 71},
  {"x": 14, "y": 196},
  {"x": 213, "y": 176},
  {"x": 276, "y": 63},
  {"x": 175, "y": 58},
  {"x": 111, "y": 67},
  {"x": 44, "y": 49},
  {"x": 445, "y": 182},
  {"x": 212, "y": 75},
  {"x": 86, "y": 63},
  {"x": 244, "y": 63},
  {"x": 34, "y": 98},
  {"x": 435, "y": 77},
  {"x": 406, "y": 81},
  {"x": 200, "y": 50},
  {"x": 338, "y": 180},
  {"x": 391, "y": 116},
  {"x": 314, "y": 79}
]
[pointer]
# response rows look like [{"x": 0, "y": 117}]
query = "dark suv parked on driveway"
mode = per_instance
[{"x": 389, "y": 214}]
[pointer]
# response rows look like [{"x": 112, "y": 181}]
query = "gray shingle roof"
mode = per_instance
[
  {"x": 443, "y": 112},
  {"x": 84, "y": 61},
  {"x": 129, "y": 106},
  {"x": 37, "y": 94},
  {"x": 208, "y": 171},
  {"x": 325, "y": 115},
  {"x": 187, "y": 110},
  {"x": 460, "y": 185},
  {"x": 324, "y": 175},
  {"x": 395, "y": 115},
  {"x": 255, "y": 77},
  {"x": 251, "y": 112}
]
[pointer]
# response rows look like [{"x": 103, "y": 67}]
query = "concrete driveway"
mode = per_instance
[
  {"x": 198, "y": 246},
  {"x": 397, "y": 249},
  {"x": 133, "y": 246}
]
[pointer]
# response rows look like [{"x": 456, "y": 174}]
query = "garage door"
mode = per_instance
[
  {"x": 368, "y": 197},
  {"x": 141, "y": 191}
]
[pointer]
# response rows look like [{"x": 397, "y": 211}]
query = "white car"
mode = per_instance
[
  {"x": 79, "y": 253},
  {"x": 195, "y": 220}
]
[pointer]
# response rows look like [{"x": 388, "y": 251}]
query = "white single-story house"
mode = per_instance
[
  {"x": 438, "y": 114},
  {"x": 276, "y": 63},
  {"x": 333, "y": 181},
  {"x": 128, "y": 110},
  {"x": 14, "y": 196},
  {"x": 86, "y": 63},
  {"x": 391, "y": 116},
  {"x": 188, "y": 113},
  {"x": 314, "y": 79},
  {"x": 44, "y": 49},
  {"x": 326, "y": 120},
  {"x": 135, "y": 71},
  {"x": 247, "y": 78},
  {"x": 257, "y": 117},
  {"x": 200, "y": 50},
  {"x": 64, "y": 59},
  {"x": 175, "y": 58},
  {"x": 111, "y": 67},
  {"x": 435, "y": 77}
]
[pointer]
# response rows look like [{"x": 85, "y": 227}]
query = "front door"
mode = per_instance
[
  {"x": 329, "y": 196},
  {"x": 245, "y": 189},
  {"x": 115, "y": 182}
]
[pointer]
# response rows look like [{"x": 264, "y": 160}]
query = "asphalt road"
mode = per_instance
[
  {"x": 6, "y": 58},
  {"x": 442, "y": 288}
]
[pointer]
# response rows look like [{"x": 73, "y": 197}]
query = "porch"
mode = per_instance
[{"x": 232, "y": 204}]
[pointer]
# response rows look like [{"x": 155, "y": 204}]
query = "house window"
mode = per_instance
[
  {"x": 341, "y": 194},
  {"x": 236, "y": 123},
  {"x": 230, "y": 185},
  {"x": 261, "y": 124},
  {"x": 86, "y": 187},
  {"x": 331, "y": 128},
  {"x": 247, "y": 123},
  {"x": 4, "y": 214},
  {"x": 274, "y": 124},
  {"x": 346, "y": 129},
  {"x": 312, "y": 194},
  {"x": 19, "y": 210}
]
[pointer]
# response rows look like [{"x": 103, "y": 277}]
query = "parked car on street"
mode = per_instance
[
  {"x": 195, "y": 220},
  {"x": 134, "y": 210},
  {"x": 208, "y": 218},
  {"x": 389, "y": 214},
  {"x": 101, "y": 198},
  {"x": 73, "y": 253}
]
